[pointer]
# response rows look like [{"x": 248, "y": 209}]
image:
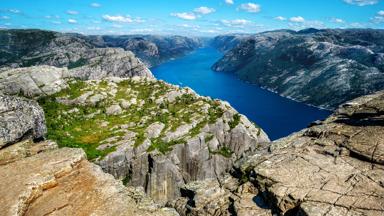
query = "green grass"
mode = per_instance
[
  {"x": 79, "y": 63},
  {"x": 75, "y": 130},
  {"x": 235, "y": 121}
]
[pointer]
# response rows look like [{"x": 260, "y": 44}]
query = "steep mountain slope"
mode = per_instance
[
  {"x": 24, "y": 48},
  {"x": 320, "y": 67},
  {"x": 151, "y": 49}
]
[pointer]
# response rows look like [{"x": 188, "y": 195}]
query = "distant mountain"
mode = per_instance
[
  {"x": 320, "y": 67},
  {"x": 151, "y": 49},
  {"x": 23, "y": 48}
]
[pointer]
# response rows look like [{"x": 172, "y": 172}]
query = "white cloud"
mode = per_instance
[
  {"x": 337, "y": 20},
  {"x": 72, "y": 12},
  {"x": 280, "y": 18},
  {"x": 118, "y": 18},
  {"x": 95, "y": 5},
  {"x": 15, "y": 11},
  {"x": 250, "y": 7},
  {"x": 5, "y": 17},
  {"x": 380, "y": 13},
  {"x": 56, "y": 22},
  {"x": 361, "y": 2},
  {"x": 94, "y": 28},
  {"x": 72, "y": 21},
  {"x": 297, "y": 19},
  {"x": 235, "y": 23},
  {"x": 230, "y": 2},
  {"x": 204, "y": 10},
  {"x": 185, "y": 15},
  {"x": 117, "y": 26}
]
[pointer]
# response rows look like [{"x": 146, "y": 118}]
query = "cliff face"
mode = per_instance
[
  {"x": 24, "y": 48},
  {"x": 150, "y": 134},
  {"x": 334, "y": 167},
  {"x": 320, "y": 67},
  {"x": 39, "y": 179},
  {"x": 151, "y": 49}
]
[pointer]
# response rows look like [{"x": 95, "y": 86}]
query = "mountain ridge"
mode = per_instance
[{"x": 305, "y": 65}]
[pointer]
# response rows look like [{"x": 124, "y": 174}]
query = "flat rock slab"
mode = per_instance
[{"x": 63, "y": 182}]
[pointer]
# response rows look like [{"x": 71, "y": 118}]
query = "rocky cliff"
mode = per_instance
[
  {"x": 151, "y": 49},
  {"x": 320, "y": 67},
  {"x": 24, "y": 48},
  {"x": 334, "y": 167},
  {"x": 150, "y": 134},
  {"x": 39, "y": 179}
]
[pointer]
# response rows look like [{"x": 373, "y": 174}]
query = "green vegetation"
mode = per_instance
[
  {"x": 79, "y": 63},
  {"x": 223, "y": 151},
  {"x": 88, "y": 126},
  {"x": 235, "y": 122}
]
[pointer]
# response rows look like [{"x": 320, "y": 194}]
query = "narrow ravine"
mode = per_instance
[{"x": 277, "y": 115}]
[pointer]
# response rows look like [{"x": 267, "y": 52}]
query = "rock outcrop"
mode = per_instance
[
  {"x": 20, "y": 118},
  {"x": 323, "y": 68},
  {"x": 150, "y": 134},
  {"x": 110, "y": 62},
  {"x": 334, "y": 167},
  {"x": 33, "y": 82},
  {"x": 39, "y": 179}
]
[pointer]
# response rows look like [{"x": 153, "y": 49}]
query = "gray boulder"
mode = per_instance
[
  {"x": 20, "y": 118},
  {"x": 33, "y": 82}
]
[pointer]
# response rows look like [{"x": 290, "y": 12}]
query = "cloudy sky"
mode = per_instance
[{"x": 189, "y": 17}]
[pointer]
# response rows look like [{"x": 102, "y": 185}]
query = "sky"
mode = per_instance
[{"x": 188, "y": 17}]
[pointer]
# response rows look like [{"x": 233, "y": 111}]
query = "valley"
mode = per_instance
[{"x": 140, "y": 125}]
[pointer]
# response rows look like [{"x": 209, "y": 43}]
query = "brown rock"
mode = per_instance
[{"x": 63, "y": 182}]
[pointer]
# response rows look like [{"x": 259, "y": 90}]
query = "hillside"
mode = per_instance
[
  {"x": 323, "y": 68},
  {"x": 24, "y": 48}
]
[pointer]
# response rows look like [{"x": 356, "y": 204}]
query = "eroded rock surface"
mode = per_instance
[
  {"x": 20, "y": 118},
  {"x": 63, "y": 182},
  {"x": 33, "y": 82},
  {"x": 332, "y": 168}
]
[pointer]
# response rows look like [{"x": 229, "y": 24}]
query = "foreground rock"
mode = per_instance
[
  {"x": 39, "y": 179},
  {"x": 334, "y": 167},
  {"x": 320, "y": 67},
  {"x": 63, "y": 182},
  {"x": 20, "y": 118},
  {"x": 151, "y": 134}
]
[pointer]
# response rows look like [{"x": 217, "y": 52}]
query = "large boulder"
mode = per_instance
[
  {"x": 33, "y": 82},
  {"x": 20, "y": 118}
]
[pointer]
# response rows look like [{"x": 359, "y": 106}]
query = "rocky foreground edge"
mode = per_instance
[{"x": 334, "y": 167}]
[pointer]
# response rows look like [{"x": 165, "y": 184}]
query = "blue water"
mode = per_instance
[{"x": 278, "y": 116}]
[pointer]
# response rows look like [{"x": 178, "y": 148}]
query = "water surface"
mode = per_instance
[{"x": 278, "y": 116}]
